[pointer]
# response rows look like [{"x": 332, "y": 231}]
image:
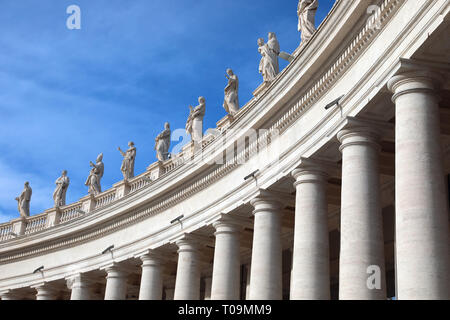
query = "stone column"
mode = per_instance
[
  {"x": 310, "y": 276},
  {"x": 45, "y": 292},
  {"x": 116, "y": 283},
  {"x": 226, "y": 268},
  {"x": 151, "y": 278},
  {"x": 266, "y": 266},
  {"x": 187, "y": 284},
  {"x": 422, "y": 234},
  {"x": 362, "y": 241},
  {"x": 208, "y": 284},
  {"x": 80, "y": 286}
]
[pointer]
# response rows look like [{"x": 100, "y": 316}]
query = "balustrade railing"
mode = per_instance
[{"x": 36, "y": 223}]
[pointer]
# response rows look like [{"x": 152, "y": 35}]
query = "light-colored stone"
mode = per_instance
[
  {"x": 59, "y": 195},
  {"x": 231, "y": 100},
  {"x": 162, "y": 144},
  {"x": 266, "y": 266},
  {"x": 187, "y": 285},
  {"x": 95, "y": 176},
  {"x": 194, "y": 123},
  {"x": 23, "y": 201},
  {"x": 362, "y": 244},
  {"x": 116, "y": 283},
  {"x": 129, "y": 158},
  {"x": 80, "y": 286},
  {"x": 310, "y": 276},
  {"x": 422, "y": 235},
  {"x": 152, "y": 277},
  {"x": 306, "y": 12},
  {"x": 226, "y": 266}
]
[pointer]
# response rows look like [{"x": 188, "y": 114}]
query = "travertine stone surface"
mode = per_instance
[
  {"x": 231, "y": 100},
  {"x": 187, "y": 285},
  {"x": 194, "y": 123},
  {"x": 81, "y": 287},
  {"x": 310, "y": 277},
  {"x": 95, "y": 175},
  {"x": 362, "y": 243},
  {"x": 162, "y": 143},
  {"x": 116, "y": 283},
  {"x": 151, "y": 278},
  {"x": 226, "y": 265},
  {"x": 266, "y": 266},
  {"x": 422, "y": 235}
]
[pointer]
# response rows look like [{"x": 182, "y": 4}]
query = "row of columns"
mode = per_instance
[{"x": 422, "y": 235}]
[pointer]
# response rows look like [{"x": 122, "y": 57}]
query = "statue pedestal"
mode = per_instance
[
  {"x": 156, "y": 170},
  {"x": 122, "y": 188},
  {"x": 19, "y": 225},
  {"x": 53, "y": 217},
  {"x": 88, "y": 203}
]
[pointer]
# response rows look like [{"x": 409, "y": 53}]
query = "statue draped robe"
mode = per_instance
[
  {"x": 93, "y": 181},
  {"x": 24, "y": 202},
  {"x": 306, "y": 18},
  {"x": 127, "y": 167},
  {"x": 268, "y": 63},
  {"x": 194, "y": 124},
  {"x": 163, "y": 145},
  {"x": 59, "y": 195},
  {"x": 231, "y": 101}
]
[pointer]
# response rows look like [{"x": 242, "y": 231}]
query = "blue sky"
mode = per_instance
[{"x": 67, "y": 95}]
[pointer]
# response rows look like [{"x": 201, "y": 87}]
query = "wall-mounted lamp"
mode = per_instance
[
  {"x": 39, "y": 269},
  {"x": 177, "y": 219},
  {"x": 108, "y": 249},
  {"x": 251, "y": 175},
  {"x": 335, "y": 102}
]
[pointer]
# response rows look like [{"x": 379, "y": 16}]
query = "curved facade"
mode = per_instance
[{"x": 344, "y": 202}]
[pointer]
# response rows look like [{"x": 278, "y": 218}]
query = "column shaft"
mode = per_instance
[
  {"x": 310, "y": 263},
  {"x": 187, "y": 285},
  {"x": 116, "y": 284},
  {"x": 266, "y": 266},
  {"x": 226, "y": 269},
  {"x": 151, "y": 279},
  {"x": 362, "y": 241},
  {"x": 422, "y": 235}
]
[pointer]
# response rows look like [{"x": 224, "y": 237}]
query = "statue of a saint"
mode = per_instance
[
  {"x": 23, "y": 201},
  {"x": 231, "y": 101},
  {"x": 194, "y": 123},
  {"x": 95, "y": 176},
  {"x": 306, "y": 18},
  {"x": 162, "y": 143},
  {"x": 274, "y": 47},
  {"x": 59, "y": 195},
  {"x": 267, "y": 64},
  {"x": 127, "y": 167}
]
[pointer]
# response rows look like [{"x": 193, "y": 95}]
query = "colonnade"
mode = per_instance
[{"x": 421, "y": 211}]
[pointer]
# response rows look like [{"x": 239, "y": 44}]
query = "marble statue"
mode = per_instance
[
  {"x": 306, "y": 18},
  {"x": 162, "y": 143},
  {"x": 59, "y": 195},
  {"x": 194, "y": 123},
  {"x": 95, "y": 176},
  {"x": 231, "y": 101},
  {"x": 23, "y": 201},
  {"x": 274, "y": 47},
  {"x": 129, "y": 156},
  {"x": 267, "y": 64}
]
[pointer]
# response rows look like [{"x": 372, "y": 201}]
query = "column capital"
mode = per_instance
[
  {"x": 310, "y": 170},
  {"x": 270, "y": 199},
  {"x": 114, "y": 270},
  {"x": 151, "y": 258},
  {"x": 79, "y": 278},
  {"x": 413, "y": 81},
  {"x": 234, "y": 222},
  {"x": 191, "y": 242},
  {"x": 8, "y": 295},
  {"x": 362, "y": 132}
]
